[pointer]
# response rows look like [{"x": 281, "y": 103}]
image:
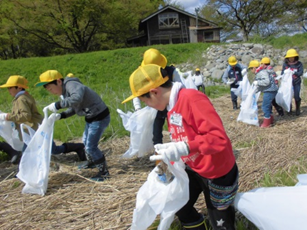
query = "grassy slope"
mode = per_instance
[{"x": 106, "y": 72}]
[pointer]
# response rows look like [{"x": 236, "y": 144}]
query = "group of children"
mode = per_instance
[
  {"x": 198, "y": 137},
  {"x": 77, "y": 99},
  {"x": 265, "y": 81}
]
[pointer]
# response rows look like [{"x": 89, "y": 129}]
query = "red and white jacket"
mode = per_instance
[{"x": 194, "y": 120}]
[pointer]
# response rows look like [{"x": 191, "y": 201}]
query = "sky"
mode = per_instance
[{"x": 190, "y": 5}]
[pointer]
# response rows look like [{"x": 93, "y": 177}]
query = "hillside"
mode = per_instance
[{"x": 74, "y": 202}]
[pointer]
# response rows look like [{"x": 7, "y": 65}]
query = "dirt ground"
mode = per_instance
[{"x": 73, "y": 201}]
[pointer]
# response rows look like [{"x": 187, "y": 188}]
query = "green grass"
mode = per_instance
[{"x": 106, "y": 72}]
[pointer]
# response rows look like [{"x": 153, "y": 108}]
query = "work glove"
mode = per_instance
[
  {"x": 3, "y": 116},
  {"x": 51, "y": 108},
  {"x": 172, "y": 151},
  {"x": 230, "y": 81},
  {"x": 57, "y": 116}
]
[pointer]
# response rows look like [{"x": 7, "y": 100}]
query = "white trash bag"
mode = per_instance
[
  {"x": 285, "y": 92},
  {"x": 35, "y": 162},
  {"x": 244, "y": 86},
  {"x": 275, "y": 208},
  {"x": 249, "y": 108},
  {"x": 10, "y": 134},
  {"x": 140, "y": 126},
  {"x": 156, "y": 197}
]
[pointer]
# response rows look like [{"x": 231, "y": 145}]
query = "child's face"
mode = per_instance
[
  {"x": 13, "y": 90},
  {"x": 155, "y": 100},
  {"x": 291, "y": 59},
  {"x": 55, "y": 89}
]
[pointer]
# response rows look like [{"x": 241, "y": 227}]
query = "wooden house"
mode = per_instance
[{"x": 170, "y": 25}]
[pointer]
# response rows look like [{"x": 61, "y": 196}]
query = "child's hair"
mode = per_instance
[
  {"x": 295, "y": 59},
  {"x": 53, "y": 82}
]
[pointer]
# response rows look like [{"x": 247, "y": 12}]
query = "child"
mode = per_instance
[
  {"x": 199, "y": 139},
  {"x": 265, "y": 63},
  {"x": 292, "y": 62},
  {"x": 266, "y": 84},
  {"x": 232, "y": 76},
  {"x": 83, "y": 101},
  {"x": 198, "y": 80},
  {"x": 24, "y": 108},
  {"x": 25, "y": 111},
  {"x": 154, "y": 56}
]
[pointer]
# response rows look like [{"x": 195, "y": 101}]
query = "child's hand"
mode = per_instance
[{"x": 172, "y": 151}]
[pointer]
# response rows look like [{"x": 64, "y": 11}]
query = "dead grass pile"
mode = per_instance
[{"x": 74, "y": 202}]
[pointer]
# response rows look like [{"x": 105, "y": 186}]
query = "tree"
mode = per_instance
[{"x": 245, "y": 15}]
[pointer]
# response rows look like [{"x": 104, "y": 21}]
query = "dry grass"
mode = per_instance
[{"x": 74, "y": 202}]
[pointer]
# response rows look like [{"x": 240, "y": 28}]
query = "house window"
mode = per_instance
[
  {"x": 168, "y": 20},
  {"x": 208, "y": 36}
]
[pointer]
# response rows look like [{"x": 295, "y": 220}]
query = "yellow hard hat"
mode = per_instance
[
  {"x": 197, "y": 69},
  {"x": 265, "y": 60},
  {"x": 232, "y": 60},
  {"x": 254, "y": 63},
  {"x": 153, "y": 56},
  {"x": 16, "y": 80},
  {"x": 291, "y": 53},
  {"x": 70, "y": 75}
]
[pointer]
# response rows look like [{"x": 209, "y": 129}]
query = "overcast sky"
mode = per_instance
[{"x": 190, "y": 5}]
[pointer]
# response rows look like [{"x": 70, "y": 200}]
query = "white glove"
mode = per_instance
[
  {"x": 51, "y": 107},
  {"x": 230, "y": 81},
  {"x": 255, "y": 83},
  {"x": 3, "y": 116},
  {"x": 172, "y": 151},
  {"x": 57, "y": 116}
]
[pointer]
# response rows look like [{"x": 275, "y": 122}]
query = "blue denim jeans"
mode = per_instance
[
  {"x": 267, "y": 103},
  {"x": 91, "y": 136},
  {"x": 297, "y": 90},
  {"x": 57, "y": 149}
]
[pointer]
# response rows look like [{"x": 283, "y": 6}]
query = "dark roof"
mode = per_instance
[{"x": 178, "y": 10}]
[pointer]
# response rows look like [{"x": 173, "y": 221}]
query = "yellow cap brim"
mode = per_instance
[
  {"x": 9, "y": 85},
  {"x": 128, "y": 99}
]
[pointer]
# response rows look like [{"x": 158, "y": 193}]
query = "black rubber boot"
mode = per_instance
[
  {"x": 76, "y": 147},
  {"x": 89, "y": 164},
  {"x": 298, "y": 107},
  {"x": 14, "y": 154},
  {"x": 103, "y": 173},
  {"x": 197, "y": 225},
  {"x": 280, "y": 111},
  {"x": 235, "y": 105}
]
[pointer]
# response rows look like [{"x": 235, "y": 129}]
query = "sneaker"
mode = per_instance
[
  {"x": 101, "y": 176},
  {"x": 87, "y": 165}
]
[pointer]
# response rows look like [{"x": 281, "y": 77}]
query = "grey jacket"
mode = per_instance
[
  {"x": 80, "y": 100},
  {"x": 265, "y": 81}
]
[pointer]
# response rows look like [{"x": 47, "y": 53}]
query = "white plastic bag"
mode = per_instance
[
  {"x": 276, "y": 208},
  {"x": 26, "y": 137},
  {"x": 35, "y": 161},
  {"x": 156, "y": 197},
  {"x": 285, "y": 92},
  {"x": 188, "y": 82},
  {"x": 10, "y": 134},
  {"x": 244, "y": 86},
  {"x": 140, "y": 126},
  {"x": 249, "y": 108}
]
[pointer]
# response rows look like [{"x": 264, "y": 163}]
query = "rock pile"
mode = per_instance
[{"x": 216, "y": 56}]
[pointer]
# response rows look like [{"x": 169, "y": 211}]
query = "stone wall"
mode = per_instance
[{"x": 216, "y": 57}]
